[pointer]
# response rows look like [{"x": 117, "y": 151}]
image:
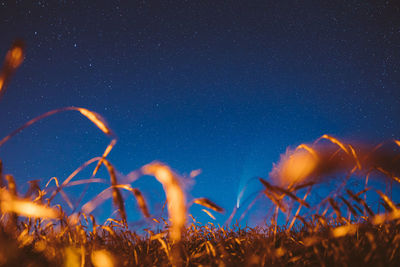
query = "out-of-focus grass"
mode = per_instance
[{"x": 33, "y": 244}]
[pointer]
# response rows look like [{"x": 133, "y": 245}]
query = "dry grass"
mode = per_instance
[{"x": 342, "y": 229}]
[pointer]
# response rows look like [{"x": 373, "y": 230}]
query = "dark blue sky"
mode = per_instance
[{"x": 224, "y": 87}]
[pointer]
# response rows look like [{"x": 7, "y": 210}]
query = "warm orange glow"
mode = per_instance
[
  {"x": 72, "y": 257},
  {"x": 1, "y": 83},
  {"x": 397, "y": 142},
  {"x": 102, "y": 258},
  {"x": 15, "y": 57},
  {"x": 25, "y": 208},
  {"x": 294, "y": 167},
  {"x": 340, "y": 231}
]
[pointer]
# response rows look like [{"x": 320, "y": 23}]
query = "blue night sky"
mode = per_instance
[{"x": 224, "y": 87}]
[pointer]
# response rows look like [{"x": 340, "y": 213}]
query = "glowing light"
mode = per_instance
[
  {"x": 397, "y": 142},
  {"x": 294, "y": 167},
  {"x": 15, "y": 57},
  {"x": 26, "y": 208},
  {"x": 1, "y": 82},
  {"x": 102, "y": 258},
  {"x": 344, "y": 230}
]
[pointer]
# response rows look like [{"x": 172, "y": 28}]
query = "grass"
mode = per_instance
[{"x": 341, "y": 229}]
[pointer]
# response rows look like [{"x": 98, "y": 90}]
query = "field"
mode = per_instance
[{"x": 342, "y": 229}]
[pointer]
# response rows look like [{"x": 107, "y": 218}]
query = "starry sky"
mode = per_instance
[{"x": 222, "y": 86}]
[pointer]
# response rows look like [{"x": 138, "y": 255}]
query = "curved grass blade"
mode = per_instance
[{"x": 208, "y": 204}]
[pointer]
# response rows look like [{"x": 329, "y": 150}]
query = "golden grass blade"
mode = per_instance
[
  {"x": 275, "y": 200},
  {"x": 291, "y": 195},
  {"x": 92, "y": 116},
  {"x": 309, "y": 149},
  {"x": 111, "y": 221},
  {"x": 208, "y": 213},
  {"x": 94, "y": 225},
  {"x": 164, "y": 246},
  {"x": 55, "y": 180},
  {"x": 70, "y": 177},
  {"x": 117, "y": 197},
  {"x": 388, "y": 174},
  {"x": 141, "y": 202},
  {"x": 298, "y": 210},
  {"x": 208, "y": 204},
  {"x": 387, "y": 201},
  {"x": 266, "y": 184},
  {"x": 284, "y": 192},
  {"x": 301, "y": 186},
  {"x": 349, "y": 206},
  {"x": 360, "y": 201},
  {"x": 366, "y": 189},
  {"x": 109, "y": 230},
  {"x": 334, "y": 141},
  {"x": 105, "y": 154},
  {"x": 139, "y": 198},
  {"x": 175, "y": 196},
  {"x": 96, "y": 119},
  {"x": 354, "y": 154}
]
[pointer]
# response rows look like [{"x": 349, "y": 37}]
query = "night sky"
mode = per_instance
[{"x": 222, "y": 87}]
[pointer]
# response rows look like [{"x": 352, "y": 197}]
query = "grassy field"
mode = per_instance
[
  {"x": 320, "y": 243},
  {"x": 342, "y": 229}
]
